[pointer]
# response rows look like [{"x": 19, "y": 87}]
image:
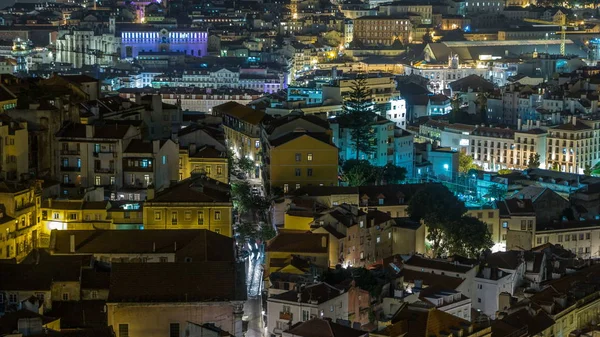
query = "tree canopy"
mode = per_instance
[
  {"x": 361, "y": 172},
  {"x": 465, "y": 163},
  {"x": 468, "y": 236},
  {"x": 359, "y": 109},
  {"x": 438, "y": 208},
  {"x": 534, "y": 161}
]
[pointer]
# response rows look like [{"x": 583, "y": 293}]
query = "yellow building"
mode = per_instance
[
  {"x": 75, "y": 214},
  {"x": 198, "y": 202},
  {"x": 207, "y": 160},
  {"x": 20, "y": 229},
  {"x": 241, "y": 125},
  {"x": 287, "y": 245},
  {"x": 298, "y": 159}
]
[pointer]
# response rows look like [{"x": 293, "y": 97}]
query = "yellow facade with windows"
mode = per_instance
[
  {"x": 214, "y": 167},
  {"x": 215, "y": 217},
  {"x": 20, "y": 229},
  {"x": 303, "y": 160},
  {"x": 75, "y": 215}
]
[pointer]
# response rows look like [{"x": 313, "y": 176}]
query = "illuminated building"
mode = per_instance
[
  {"x": 189, "y": 42},
  {"x": 574, "y": 145},
  {"x": 20, "y": 228},
  {"x": 198, "y": 202}
]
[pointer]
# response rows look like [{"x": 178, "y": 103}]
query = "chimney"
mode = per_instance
[
  {"x": 72, "y": 243},
  {"x": 519, "y": 124},
  {"x": 574, "y": 120},
  {"x": 537, "y": 123},
  {"x": 154, "y": 247}
]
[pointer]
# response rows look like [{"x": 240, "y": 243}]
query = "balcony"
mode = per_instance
[
  {"x": 104, "y": 170},
  {"x": 70, "y": 168},
  {"x": 138, "y": 168},
  {"x": 70, "y": 152},
  {"x": 288, "y": 316}
]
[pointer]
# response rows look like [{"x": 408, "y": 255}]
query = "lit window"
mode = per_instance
[
  {"x": 217, "y": 215},
  {"x": 157, "y": 215},
  {"x": 309, "y": 157}
]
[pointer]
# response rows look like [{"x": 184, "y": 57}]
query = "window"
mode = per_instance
[
  {"x": 567, "y": 238},
  {"x": 286, "y": 308},
  {"x": 530, "y": 224},
  {"x": 163, "y": 259},
  {"x": 174, "y": 218},
  {"x": 305, "y": 315},
  {"x": 523, "y": 225},
  {"x": 560, "y": 238},
  {"x": 297, "y": 186},
  {"x": 65, "y": 179},
  {"x": 539, "y": 240},
  {"x": 574, "y": 237},
  {"x": 112, "y": 180},
  {"x": 187, "y": 215},
  {"x": 174, "y": 330},
  {"x": 164, "y": 160},
  {"x": 504, "y": 224},
  {"x": 12, "y": 298},
  {"x": 123, "y": 330},
  {"x": 298, "y": 173},
  {"x": 286, "y": 188},
  {"x": 298, "y": 157},
  {"x": 256, "y": 144},
  {"x": 40, "y": 297},
  {"x": 94, "y": 294},
  {"x": 219, "y": 170},
  {"x": 491, "y": 215},
  {"x": 480, "y": 286},
  {"x": 200, "y": 218},
  {"x": 309, "y": 157},
  {"x": 97, "y": 180},
  {"x": 378, "y": 239},
  {"x": 587, "y": 236},
  {"x": 217, "y": 215},
  {"x": 479, "y": 215},
  {"x": 65, "y": 296},
  {"x": 56, "y": 215},
  {"x": 73, "y": 216},
  {"x": 309, "y": 172},
  {"x": 581, "y": 236},
  {"x": 362, "y": 224},
  {"x": 157, "y": 215}
]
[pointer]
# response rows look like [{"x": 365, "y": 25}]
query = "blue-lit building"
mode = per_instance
[
  {"x": 308, "y": 95},
  {"x": 185, "y": 41}
]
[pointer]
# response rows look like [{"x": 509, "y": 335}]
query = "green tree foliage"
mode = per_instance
[
  {"x": 267, "y": 232},
  {"x": 241, "y": 196},
  {"x": 455, "y": 112},
  {"x": 587, "y": 170},
  {"x": 359, "y": 115},
  {"x": 496, "y": 192},
  {"x": 465, "y": 163},
  {"x": 468, "y": 236},
  {"x": 555, "y": 166},
  {"x": 392, "y": 174},
  {"x": 244, "y": 164},
  {"x": 505, "y": 171},
  {"x": 481, "y": 101},
  {"x": 438, "y": 208},
  {"x": 246, "y": 230},
  {"x": 534, "y": 161},
  {"x": 427, "y": 37},
  {"x": 359, "y": 172}
]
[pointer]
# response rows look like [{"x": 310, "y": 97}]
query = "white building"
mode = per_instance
[
  {"x": 319, "y": 300},
  {"x": 397, "y": 112}
]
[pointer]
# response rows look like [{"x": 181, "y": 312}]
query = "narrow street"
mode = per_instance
[{"x": 253, "y": 306}]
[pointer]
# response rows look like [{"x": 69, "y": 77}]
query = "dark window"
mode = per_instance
[
  {"x": 174, "y": 330},
  {"x": 123, "y": 330}
]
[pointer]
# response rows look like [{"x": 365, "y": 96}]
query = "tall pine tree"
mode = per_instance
[{"x": 358, "y": 115}]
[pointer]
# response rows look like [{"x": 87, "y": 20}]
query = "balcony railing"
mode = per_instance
[
  {"x": 70, "y": 168},
  {"x": 104, "y": 170},
  {"x": 138, "y": 168},
  {"x": 288, "y": 316},
  {"x": 69, "y": 152}
]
